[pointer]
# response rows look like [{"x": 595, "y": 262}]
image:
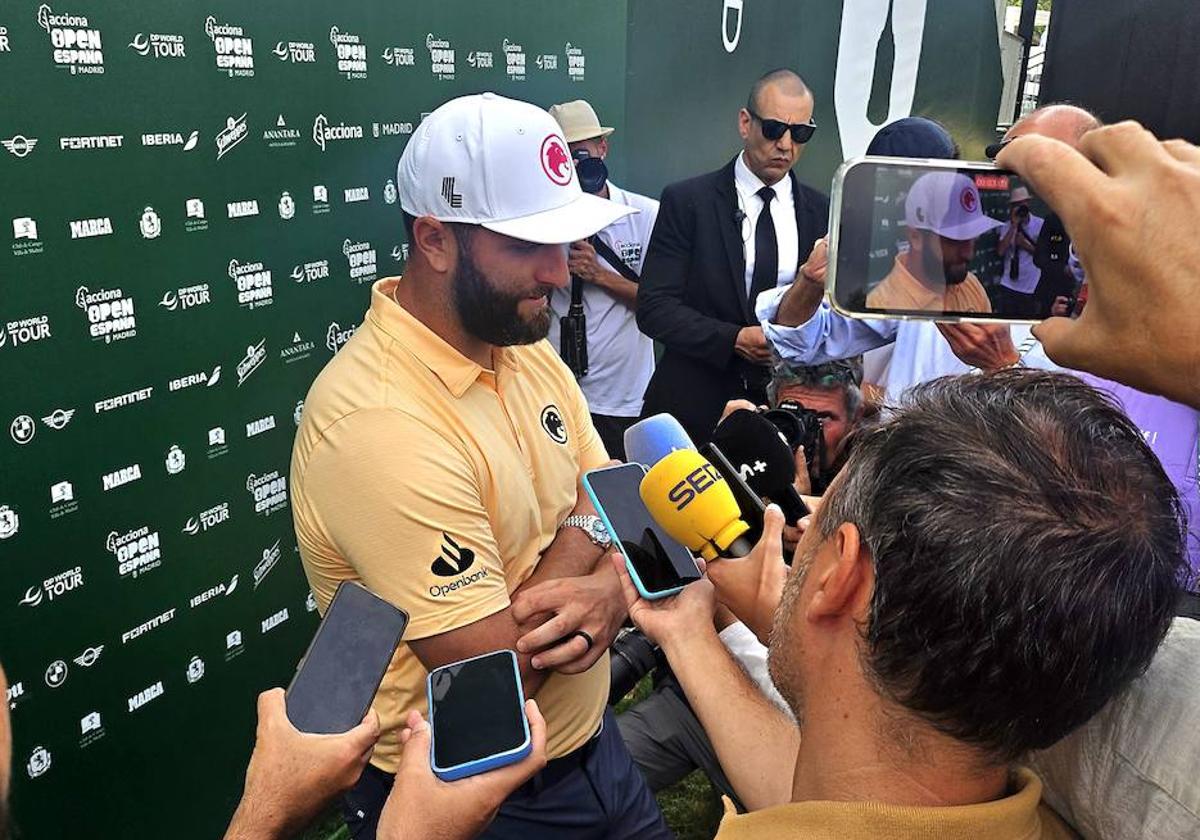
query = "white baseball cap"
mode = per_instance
[
  {"x": 502, "y": 164},
  {"x": 947, "y": 203}
]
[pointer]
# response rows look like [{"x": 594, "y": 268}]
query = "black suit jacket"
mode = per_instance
[{"x": 692, "y": 295}]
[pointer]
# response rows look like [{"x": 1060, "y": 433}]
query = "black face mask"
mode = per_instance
[{"x": 592, "y": 172}]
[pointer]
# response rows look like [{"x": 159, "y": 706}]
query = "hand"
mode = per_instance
[
  {"x": 423, "y": 807},
  {"x": 1130, "y": 204},
  {"x": 737, "y": 405},
  {"x": 803, "y": 482},
  {"x": 583, "y": 262},
  {"x": 293, "y": 775},
  {"x": 1061, "y": 307},
  {"x": 985, "y": 346},
  {"x": 751, "y": 586},
  {"x": 752, "y": 345},
  {"x": 672, "y": 620},
  {"x": 817, "y": 265},
  {"x": 591, "y": 603}
]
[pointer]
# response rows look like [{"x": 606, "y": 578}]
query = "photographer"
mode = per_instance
[
  {"x": 1018, "y": 246},
  {"x": 594, "y": 325}
]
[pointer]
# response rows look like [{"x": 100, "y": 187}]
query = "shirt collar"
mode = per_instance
[{"x": 749, "y": 184}]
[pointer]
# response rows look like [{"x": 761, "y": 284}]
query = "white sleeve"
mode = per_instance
[
  {"x": 826, "y": 336},
  {"x": 752, "y": 655}
]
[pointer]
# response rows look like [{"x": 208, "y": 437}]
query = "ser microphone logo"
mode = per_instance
[
  {"x": 454, "y": 560},
  {"x": 696, "y": 482}
]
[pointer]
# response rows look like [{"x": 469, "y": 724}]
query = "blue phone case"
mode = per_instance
[
  {"x": 633, "y": 574},
  {"x": 491, "y": 762}
]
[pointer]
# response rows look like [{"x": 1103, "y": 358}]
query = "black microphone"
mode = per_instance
[
  {"x": 763, "y": 459},
  {"x": 739, "y": 216},
  {"x": 748, "y": 501}
]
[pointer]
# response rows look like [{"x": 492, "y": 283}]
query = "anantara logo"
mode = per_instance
[
  {"x": 552, "y": 424},
  {"x": 454, "y": 559},
  {"x": 556, "y": 163}
]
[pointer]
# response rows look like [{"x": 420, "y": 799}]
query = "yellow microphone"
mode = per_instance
[{"x": 692, "y": 502}]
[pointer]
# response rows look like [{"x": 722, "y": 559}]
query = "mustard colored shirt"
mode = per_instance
[
  {"x": 1018, "y": 816},
  {"x": 438, "y": 484},
  {"x": 900, "y": 290}
]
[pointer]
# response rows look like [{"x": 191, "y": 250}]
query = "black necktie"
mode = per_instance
[{"x": 766, "y": 248}]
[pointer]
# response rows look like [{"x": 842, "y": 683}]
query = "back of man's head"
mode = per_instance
[{"x": 1027, "y": 548}]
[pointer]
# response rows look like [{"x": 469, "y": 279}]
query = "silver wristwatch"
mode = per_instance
[{"x": 592, "y": 526}]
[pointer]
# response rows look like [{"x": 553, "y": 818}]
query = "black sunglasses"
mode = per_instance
[{"x": 774, "y": 129}]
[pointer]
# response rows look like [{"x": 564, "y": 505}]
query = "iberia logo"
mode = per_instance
[
  {"x": 556, "y": 163},
  {"x": 969, "y": 200}
]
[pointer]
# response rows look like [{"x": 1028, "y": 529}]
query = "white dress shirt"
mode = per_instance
[{"x": 783, "y": 214}]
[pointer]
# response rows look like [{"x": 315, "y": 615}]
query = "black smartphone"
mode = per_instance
[
  {"x": 340, "y": 672},
  {"x": 477, "y": 715},
  {"x": 658, "y": 565}
]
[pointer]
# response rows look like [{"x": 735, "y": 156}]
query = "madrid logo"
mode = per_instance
[
  {"x": 287, "y": 207},
  {"x": 150, "y": 225}
]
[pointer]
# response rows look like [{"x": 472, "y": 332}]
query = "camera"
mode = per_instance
[
  {"x": 799, "y": 426},
  {"x": 1022, "y": 212},
  {"x": 592, "y": 172},
  {"x": 631, "y": 657}
]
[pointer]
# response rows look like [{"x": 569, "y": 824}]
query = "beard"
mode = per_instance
[
  {"x": 934, "y": 266},
  {"x": 783, "y": 645},
  {"x": 490, "y": 314}
]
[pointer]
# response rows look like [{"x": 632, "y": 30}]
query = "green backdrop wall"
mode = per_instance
[{"x": 196, "y": 197}]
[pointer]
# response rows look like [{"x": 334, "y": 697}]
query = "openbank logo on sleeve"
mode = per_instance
[
  {"x": 110, "y": 315},
  {"x": 269, "y": 492},
  {"x": 234, "y": 132},
  {"x": 206, "y": 519},
  {"x": 576, "y": 63},
  {"x": 256, "y": 354},
  {"x": 441, "y": 58},
  {"x": 20, "y": 145},
  {"x": 253, "y": 282},
  {"x": 454, "y": 562},
  {"x": 186, "y": 297},
  {"x": 351, "y": 53},
  {"x": 75, "y": 43},
  {"x": 158, "y": 45},
  {"x": 137, "y": 551},
  {"x": 297, "y": 52},
  {"x": 323, "y": 132},
  {"x": 270, "y": 557},
  {"x": 53, "y": 587},
  {"x": 360, "y": 257},
  {"x": 232, "y": 48}
]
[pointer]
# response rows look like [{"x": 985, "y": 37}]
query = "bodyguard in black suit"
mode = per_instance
[{"x": 720, "y": 239}]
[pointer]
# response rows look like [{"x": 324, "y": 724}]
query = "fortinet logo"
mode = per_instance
[
  {"x": 297, "y": 52},
  {"x": 158, "y": 45},
  {"x": 253, "y": 282},
  {"x": 121, "y": 477},
  {"x": 137, "y": 551},
  {"x": 75, "y": 44},
  {"x": 146, "y": 695},
  {"x": 234, "y": 50},
  {"x": 256, "y": 354},
  {"x": 241, "y": 209},
  {"x": 275, "y": 620},
  {"x": 84, "y": 228},
  {"x": 263, "y": 567},
  {"x": 146, "y": 626},
  {"x": 172, "y": 138},
  {"x": 91, "y": 142},
  {"x": 123, "y": 400},
  {"x": 262, "y": 424},
  {"x": 186, "y": 297},
  {"x": 234, "y": 132},
  {"x": 310, "y": 271},
  {"x": 53, "y": 587},
  {"x": 206, "y": 519},
  {"x": 323, "y": 132},
  {"x": 193, "y": 379}
]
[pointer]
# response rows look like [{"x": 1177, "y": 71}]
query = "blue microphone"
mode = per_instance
[{"x": 649, "y": 441}]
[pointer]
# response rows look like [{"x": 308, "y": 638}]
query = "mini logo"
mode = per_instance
[
  {"x": 453, "y": 198},
  {"x": 56, "y": 674},
  {"x": 20, "y": 145},
  {"x": 88, "y": 658},
  {"x": 39, "y": 759},
  {"x": 75, "y": 44},
  {"x": 441, "y": 57},
  {"x": 324, "y": 133},
  {"x": 85, "y": 228},
  {"x": 361, "y": 259},
  {"x": 123, "y": 400},
  {"x": 256, "y": 354},
  {"x": 233, "y": 639},
  {"x": 297, "y": 52},
  {"x": 454, "y": 560},
  {"x": 10, "y": 523},
  {"x": 195, "y": 670},
  {"x": 137, "y": 552},
  {"x": 287, "y": 207},
  {"x": 351, "y": 53},
  {"x": 160, "y": 46},
  {"x": 336, "y": 337},
  {"x": 234, "y": 132},
  {"x": 269, "y": 493},
  {"x": 552, "y": 424},
  {"x": 22, "y": 429},
  {"x": 62, "y": 492},
  {"x": 150, "y": 225},
  {"x": 969, "y": 200},
  {"x": 110, "y": 313},
  {"x": 514, "y": 61},
  {"x": 253, "y": 281},
  {"x": 556, "y": 163},
  {"x": 234, "y": 50},
  {"x": 576, "y": 63},
  {"x": 298, "y": 412},
  {"x": 273, "y": 621},
  {"x": 176, "y": 460},
  {"x": 263, "y": 567},
  {"x": 399, "y": 57},
  {"x": 24, "y": 228},
  {"x": 145, "y": 696}
]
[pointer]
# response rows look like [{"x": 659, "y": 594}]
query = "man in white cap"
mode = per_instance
[
  {"x": 943, "y": 218},
  {"x": 596, "y": 312},
  {"x": 1018, "y": 245},
  {"x": 439, "y": 456}
]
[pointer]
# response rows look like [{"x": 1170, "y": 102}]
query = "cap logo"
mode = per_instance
[
  {"x": 452, "y": 198},
  {"x": 969, "y": 200},
  {"x": 556, "y": 163}
]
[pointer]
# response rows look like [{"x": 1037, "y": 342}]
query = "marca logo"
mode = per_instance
[
  {"x": 146, "y": 626},
  {"x": 145, "y": 696},
  {"x": 391, "y": 129},
  {"x": 76, "y": 45},
  {"x": 110, "y": 314},
  {"x": 336, "y": 337},
  {"x": 310, "y": 271},
  {"x": 90, "y": 656},
  {"x": 256, "y": 354},
  {"x": 121, "y": 477},
  {"x": 54, "y": 587},
  {"x": 262, "y": 424},
  {"x": 158, "y": 45},
  {"x": 91, "y": 142},
  {"x": 351, "y": 53},
  {"x": 186, "y": 297},
  {"x": 253, "y": 283},
  {"x": 172, "y": 138},
  {"x": 124, "y": 399},
  {"x": 234, "y": 50},
  {"x": 323, "y": 132},
  {"x": 192, "y": 379},
  {"x": 297, "y": 52},
  {"x": 175, "y": 461},
  {"x": 576, "y": 63},
  {"x": 234, "y": 132},
  {"x": 241, "y": 209},
  {"x": 480, "y": 59},
  {"x": 441, "y": 57},
  {"x": 281, "y": 137},
  {"x": 399, "y": 57},
  {"x": 84, "y": 228},
  {"x": 270, "y": 557},
  {"x": 269, "y": 492},
  {"x": 137, "y": 551},
  {"x": 354, "y": 194},
  {"x": 206, "y": 519},
  {"x": 25, "y": 331},
  {"x": 10, "y": 523},
  {"x": 207, "y": 595},
  {"x": 299, "y": 349},
  {"x": 547, "y": 61},
  {"x": 20, "y": 145},
  {"x": 361, "y": 258},
  {"x": 275, "y": 620},
  {"x": 514, "y": 61}
]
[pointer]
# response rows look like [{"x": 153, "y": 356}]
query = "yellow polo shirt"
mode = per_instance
[
  {"x": 438, "y": 484},
  {"x": 1018, "y": 816},
  {"x": 900, "y": 290}
]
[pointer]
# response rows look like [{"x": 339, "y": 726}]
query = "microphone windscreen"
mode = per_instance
[
  {"x": 649, "y": 441},
  {"x": 758, "y": 452},
  {"x": 690, "y": 499}
]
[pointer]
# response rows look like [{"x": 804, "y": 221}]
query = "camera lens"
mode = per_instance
[{"x": 633, "y": 656}]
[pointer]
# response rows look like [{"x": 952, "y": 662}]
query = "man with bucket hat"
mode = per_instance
[
  {"x": 943, "y": 217},
  {"x": 1018, "y": 246},
  {"x": 438, "y": 462}
]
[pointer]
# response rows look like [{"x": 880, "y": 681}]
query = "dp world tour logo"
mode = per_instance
[
  {"x": 556, "y": 163},
  {"x": 454, "y": 560}
]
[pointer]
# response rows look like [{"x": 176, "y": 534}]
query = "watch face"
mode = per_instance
[{"x": 599, "y": 532}]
